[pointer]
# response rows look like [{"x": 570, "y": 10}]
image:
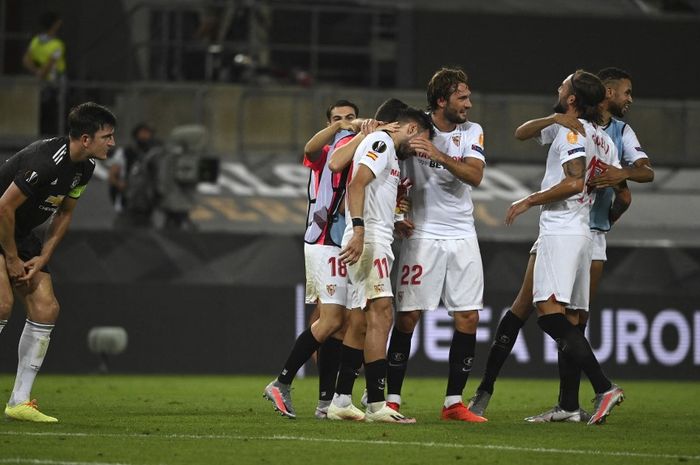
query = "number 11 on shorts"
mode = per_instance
[{"x": 382, "y": 267}]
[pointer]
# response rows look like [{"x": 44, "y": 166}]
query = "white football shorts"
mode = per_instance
[
  {"x": 370, "y": 276},
  {"x": 326, "y": 275},
  {"x": 599, "y": 246},
  {"x": 562, "y": 269},
  {"x": 434, "y": 269}
]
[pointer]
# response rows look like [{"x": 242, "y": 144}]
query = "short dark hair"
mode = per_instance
[
  {"x": 589, "y": 92},
  {"x": 341, "y": 103},
  {"x": 47, "y": 20},
  {"x": 389, "y": 110},
  {"x": 88, "y": 118},
  {"x": 417, "y": 116},
  {"x": 443, "y": 84},
  {"x": 613, "y": 74},
  {"x": 140, "y": 127}
]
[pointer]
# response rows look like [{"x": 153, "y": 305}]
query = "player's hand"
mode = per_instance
[
  {"x": 32, "y": 266},
  {"x": 15, "y": 270},
  {"x": 570, "y": 122},
  {"x": 353, "y": 125},
  {"x": 403, "y": 228},
  {"x": 423, "y": 145},
  {"x": 353, "y": 250},
  {"x": 517, "y": 208},
  {"x": 368, "y": 126},
  {"x": 388, "y": 127},
  {"x": 609, "y": 178},
  {"x": 403, "y": 205}
]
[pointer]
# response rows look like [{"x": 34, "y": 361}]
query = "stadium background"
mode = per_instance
[{"x": 227, "y": 298}]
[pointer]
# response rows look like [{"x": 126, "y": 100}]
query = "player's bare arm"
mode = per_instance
[
  {"x": 342, "y": 156},
  {"x": 356, "y": 205},
  {"x": 10, "y": 201},
  {"x": 534, "y": 127},
  {"x": 622, "y": 201},
  {"x": 470, "y": 170},
  {"x": 58, "y": 227},
  {"x": 573, "y": 183},
  {"x": 314, "y": 146},
  {"x": 641, "y": 171}
]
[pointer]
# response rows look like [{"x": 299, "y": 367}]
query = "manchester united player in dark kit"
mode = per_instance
[{"x": 44, "y": 180}]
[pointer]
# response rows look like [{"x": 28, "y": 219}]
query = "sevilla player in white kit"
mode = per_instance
[
  {"x": 371, "y": 201},
  {"x": 561, "y": 279},
  {"x": 612, "y": 198},
  {"x": 326, "y": 276},
  {"x": 441, "y": 260}
]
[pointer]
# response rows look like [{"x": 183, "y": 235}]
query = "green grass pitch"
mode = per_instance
[{"x": 224, "y": 419}]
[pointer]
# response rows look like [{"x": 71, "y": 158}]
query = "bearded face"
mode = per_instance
[
  {"x": 616, "y": 109},
  {"x": 621, "y": 99},
  {"x": 404, "y": 150},
  {"x": 455, "y": 115},
  {"x": 561, "y": 106}
]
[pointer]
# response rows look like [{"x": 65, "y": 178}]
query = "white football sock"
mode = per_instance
[
  {"x": 374, "y": 407},
  {"x": 342, "y": 400},
  {"x": 32, "y": 348},
  {"x": 451, "y": 400},
  {"x": 395, "y": 398}
]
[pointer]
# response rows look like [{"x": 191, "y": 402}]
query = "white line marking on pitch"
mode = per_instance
[
  {"x": 357, "y": 441},
  {"x": 54, "y": 462}
]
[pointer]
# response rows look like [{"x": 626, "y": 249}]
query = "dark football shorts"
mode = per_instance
[{"x": 29, "y": 247}]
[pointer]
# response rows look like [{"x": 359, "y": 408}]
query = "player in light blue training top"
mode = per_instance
[{"x": 607, "y": 208}]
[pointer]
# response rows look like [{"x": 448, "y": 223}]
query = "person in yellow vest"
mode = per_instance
[{"x": 45, "y": 58}]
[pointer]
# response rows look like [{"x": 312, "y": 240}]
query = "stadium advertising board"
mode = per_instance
[{"x": 634, "y": 339}]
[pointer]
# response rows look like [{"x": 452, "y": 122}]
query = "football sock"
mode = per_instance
[
  {"x": 397, "y": 355},
  {"x": 569, "y": 380},
  {"x": 305, "y": 345},
  {"x": 328, "y": 363},
  {"x": 32, "y": 349},
  {"x": 2, "y": 325},
  {"x": 350, "y": 363},
  {"x": 575, "y": 346},
  {"x": 375, "y": 376},
  {"x": 461, "y": 359},
  {"x": 323, "y": 405},
  {"x": 342, "y": 400},
  {"x": 503, "y": 341}
]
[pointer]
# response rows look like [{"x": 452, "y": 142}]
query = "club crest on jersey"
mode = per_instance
[
  {"x": 571, "y": 137},
  {"x": 456, "y": 139},
  {"x": 331, "y": 289},
  {"x": 379, "y": 146},
  {"x": 379, "y": 287},
  {"x": 31, "y": 177}
]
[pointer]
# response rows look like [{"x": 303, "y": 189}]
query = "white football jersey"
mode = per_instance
[
  {"x": 571, "y": 216},
  {"x": 377, "y": 152},
  {"x": 441, "y": 204}
]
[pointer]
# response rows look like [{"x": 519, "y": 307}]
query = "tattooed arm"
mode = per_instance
[{"x": 573, "y": 183}]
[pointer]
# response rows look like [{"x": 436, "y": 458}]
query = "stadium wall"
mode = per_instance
[{"x": 222, "y": 303}]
